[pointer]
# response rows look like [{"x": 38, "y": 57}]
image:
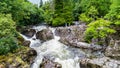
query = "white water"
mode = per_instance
[{"x": 68, "y": 57}]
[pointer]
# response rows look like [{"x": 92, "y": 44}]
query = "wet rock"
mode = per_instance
[
  {"x": 89, "y": 65},
  {"x": 44, "y": 35},
  {"x": 26, "y": 43},
  {"x": 22, "y": 41},
  {"x": 32, "y": 52},
  {"x": 46, "y": 63},
  {"x": 113, "y": 50},
  {"x": 74, "y": 36},
  {"x": 82, "y": 45},
  {"x": 11, "y": 66},
  {"x": 30, "y": 56},
  {"x": 103, "y": 62},
  {"x": 29, "y": 32},
  {"x": 21, "y": 58}
]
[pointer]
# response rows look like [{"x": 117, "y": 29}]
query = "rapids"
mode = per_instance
[{"x": 67, "y": 56}]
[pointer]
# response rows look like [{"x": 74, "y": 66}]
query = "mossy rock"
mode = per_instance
[{"x": 16, "y": 59}]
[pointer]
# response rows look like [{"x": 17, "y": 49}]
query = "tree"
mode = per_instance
[
  {"x": 41, "y": 3},
  {"x": 63, "y": 11},
  {"x": 101, "y": 5},
  {"x": 22, "y": 11},
  {"x": 90, "y": 15},
  {"x": 48, "y": 12},
  {"x": 114, "y": 13}
]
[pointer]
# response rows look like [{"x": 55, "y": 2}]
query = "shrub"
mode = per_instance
[
  {"x": 98, "y": 29},
  {"x": 83, "y": 17},
  {"x": 58, "y": 21},
  {"x": 8, "y": 42}
]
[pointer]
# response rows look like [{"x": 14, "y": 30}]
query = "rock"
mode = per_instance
[
  {"x": 83, "y": 45},
  {"x": 26, "y": 43},
  {"x": 72, "y": 32},
  {"x": 113, "y": 50},
  {"x": 46, "y": 63},
  {"x": 22, "y": 41},
  {"x": 44, "y": 35},
  {"x": 32, "y": 52},
  {"x": 11, "y": 66},
  {"x": 74, "y": 36},
  {"x": 103, "y": 62},
  {"x": 89, "y": 65},
  {"x": 2, "y": 66},
  {"x": 30, "y": 56},
  {"x": 29, "y": 32},
  {"x": 21, "y": 58}
]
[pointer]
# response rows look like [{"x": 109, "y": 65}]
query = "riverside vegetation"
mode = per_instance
[{"x": 102, "y": 18}]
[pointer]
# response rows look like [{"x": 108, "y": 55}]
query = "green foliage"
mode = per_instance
[
  {"x": 22, "y": 11},
  {"x": 7, "y": 44},
  {"x": 89, "y": 15},
  {"x": 76, "y": 11},
  {"x": 101, "y": 5},
  {"x": 7, "y": 25},
  {"x": 114, "y": 13},
  {"x": 83, "y": 17},
  {"x": 67, "y": 11},
  {"x": 8, "y": 41},
  {"x": 58, "y": 12},
  {"x": 4, "y": 8},
  {"x": 48, "y": 12},
  {"x": 58, "y": 21},
  {"x": 63, "y": 11},
  {"x": 98, "y": 29}
]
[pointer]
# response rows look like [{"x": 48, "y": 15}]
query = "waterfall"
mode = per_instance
[{"x": 67, "y": 56}]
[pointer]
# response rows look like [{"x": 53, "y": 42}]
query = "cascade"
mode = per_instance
[{"x": 67, "y": 56}]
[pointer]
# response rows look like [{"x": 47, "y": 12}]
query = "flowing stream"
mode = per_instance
[{"x": 67, "y": 56}]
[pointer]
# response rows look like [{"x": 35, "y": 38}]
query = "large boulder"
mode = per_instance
[
  {"x": 46, "y": 63},
  {"x": 44, "y": 35},
  {"x": 29, "y": 32},
  {"x": 72, "y": 32},
  {"x": 26, "y": 43},
  {"x": 74, "y": 36},
  {"x": 113, "y": 50},
  {"x": 82, "y": 45}
]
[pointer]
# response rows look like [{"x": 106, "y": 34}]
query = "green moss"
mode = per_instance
[{"x": 15, "y": 58}]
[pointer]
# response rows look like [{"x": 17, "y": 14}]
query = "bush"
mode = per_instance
[
  {"x": 85, "y": 18},
  {"x": 8, "y": 42},
  {"x": 58, "y": 21},
  {"x": 98, "y": 29}
]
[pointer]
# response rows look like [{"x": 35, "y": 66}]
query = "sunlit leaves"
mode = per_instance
[{"x": 98, "y": 29}]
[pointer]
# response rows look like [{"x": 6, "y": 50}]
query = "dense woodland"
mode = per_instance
[{"x": 101, "y": 16}]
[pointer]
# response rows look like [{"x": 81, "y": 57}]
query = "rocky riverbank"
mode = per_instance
[{"x": 21, "y": 58}]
